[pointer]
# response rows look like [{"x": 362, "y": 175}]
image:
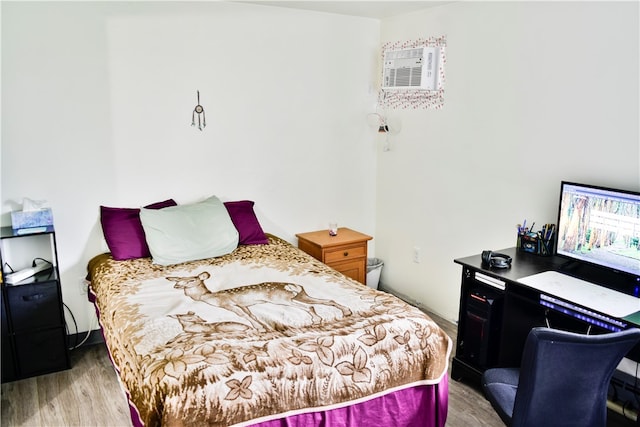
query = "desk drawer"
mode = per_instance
[{"x": 345, "y": 253}]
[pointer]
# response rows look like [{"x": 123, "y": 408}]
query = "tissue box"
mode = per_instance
[{"x": 31, "y": 219}]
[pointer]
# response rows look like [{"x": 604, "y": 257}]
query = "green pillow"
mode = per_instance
[{"x": 189, "y": 232}]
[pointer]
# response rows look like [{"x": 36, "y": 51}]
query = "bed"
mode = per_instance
[{"x": 265, "y": 335}]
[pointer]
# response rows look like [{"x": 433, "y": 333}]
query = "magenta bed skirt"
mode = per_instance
[{"x": 421, "y": 406}]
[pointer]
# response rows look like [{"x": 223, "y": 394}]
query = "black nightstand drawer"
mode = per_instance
[
  {"x": 41, "y": 352},
  {"x": 34, "y": 306}
]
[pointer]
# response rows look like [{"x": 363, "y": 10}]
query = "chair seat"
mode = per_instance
[{"x": 501, "y": 385}]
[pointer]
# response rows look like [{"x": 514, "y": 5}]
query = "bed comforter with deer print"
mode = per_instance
[{"x": 264, "y": 332}]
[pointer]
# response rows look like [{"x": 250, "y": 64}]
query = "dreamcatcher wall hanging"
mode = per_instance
[
  {"x": 416, "y": 98},
  {"x": 198, "y": 111}
]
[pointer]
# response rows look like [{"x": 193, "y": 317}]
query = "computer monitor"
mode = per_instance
[{"x": 601, "y": 227}]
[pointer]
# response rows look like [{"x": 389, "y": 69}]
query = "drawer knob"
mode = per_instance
[{"x": 346, "y": 253}]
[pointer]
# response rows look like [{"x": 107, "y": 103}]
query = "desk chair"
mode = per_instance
[{"x": 562, "y": 381}]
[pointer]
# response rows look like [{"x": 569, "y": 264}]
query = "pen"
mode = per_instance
[{"x": 550, "y": 234}]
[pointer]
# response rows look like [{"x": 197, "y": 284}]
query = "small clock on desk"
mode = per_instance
[{"x": 345, "y": 252}]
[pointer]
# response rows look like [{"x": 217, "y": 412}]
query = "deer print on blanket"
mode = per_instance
[
  {"x": 193, "y": 323},
  {"x": 239, "y": 300}
]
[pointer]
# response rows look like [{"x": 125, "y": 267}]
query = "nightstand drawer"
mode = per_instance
[
  {"x": 41, "y": 352},
  {"x": 345, "y": 253},
  {"x": 353, "y": 269},
  {"x": 34, "y": 306}
]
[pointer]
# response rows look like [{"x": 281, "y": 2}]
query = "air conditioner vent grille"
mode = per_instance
[
  {"x": 410, "y": 69},
  {"x": 416, "y": 76}
]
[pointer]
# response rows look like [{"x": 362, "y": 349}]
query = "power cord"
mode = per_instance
[
  {"x": 546, "y": 319},
  {"x": 50, "y": 268},
  {"x": 77, "y": 343},
  {"x": 86, "y": 337},
  {"x": 33, "y": 263},
  {"x": 75, "y": 324}
]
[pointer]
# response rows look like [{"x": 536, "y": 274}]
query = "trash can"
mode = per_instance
[{"x": 374, "y": 267}]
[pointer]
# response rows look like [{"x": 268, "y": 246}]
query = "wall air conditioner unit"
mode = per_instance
[{"x": 415, "y": 68}]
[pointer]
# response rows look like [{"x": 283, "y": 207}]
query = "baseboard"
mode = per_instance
[
  {"x": 75, "y": 340},
  {"x": 411, "y": 301}
]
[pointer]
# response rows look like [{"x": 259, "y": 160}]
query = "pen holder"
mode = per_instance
[{"x": 534, "y": 243}]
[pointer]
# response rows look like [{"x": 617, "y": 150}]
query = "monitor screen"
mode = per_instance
[{"x": 600, "y": 226}]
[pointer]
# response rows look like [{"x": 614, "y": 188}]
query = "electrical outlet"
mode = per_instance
[
  {"x": 84, "y": 287},
  {"x": 416, "y": 255}
]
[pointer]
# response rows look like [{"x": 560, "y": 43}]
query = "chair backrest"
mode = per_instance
[{"x": 564, "y": 377}]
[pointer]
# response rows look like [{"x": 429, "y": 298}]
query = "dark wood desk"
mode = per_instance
[{"x": 498, "y": 309}]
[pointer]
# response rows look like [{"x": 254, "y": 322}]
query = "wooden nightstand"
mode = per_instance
[{"x": 346, "y": 252}]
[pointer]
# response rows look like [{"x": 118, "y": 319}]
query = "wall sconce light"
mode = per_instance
[
  {"x": 199, "y": 110},
  {"x": 380, "y": 121}
]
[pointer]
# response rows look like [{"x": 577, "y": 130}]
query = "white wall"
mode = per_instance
[
  {"x": 536, "y": 92},
  {"x": 102, "y": 93},
  {"x": 97, "y": 102}
]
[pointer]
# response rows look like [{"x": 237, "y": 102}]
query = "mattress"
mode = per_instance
[{"x": 266, "y": 335}]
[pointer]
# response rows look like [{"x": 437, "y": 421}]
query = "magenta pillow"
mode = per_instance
[
  {"x": 123, "y": 230},
  {"x": 246, "y": 222}
]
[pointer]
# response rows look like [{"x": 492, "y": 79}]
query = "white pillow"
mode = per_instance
[{"x": 189, "y": 232}]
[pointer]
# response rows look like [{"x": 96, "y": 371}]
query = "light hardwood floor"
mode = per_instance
[{"x": 89, "y": 395}]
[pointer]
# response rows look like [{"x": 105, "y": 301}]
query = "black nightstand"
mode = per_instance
[{"x": 34, "y": 340}]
